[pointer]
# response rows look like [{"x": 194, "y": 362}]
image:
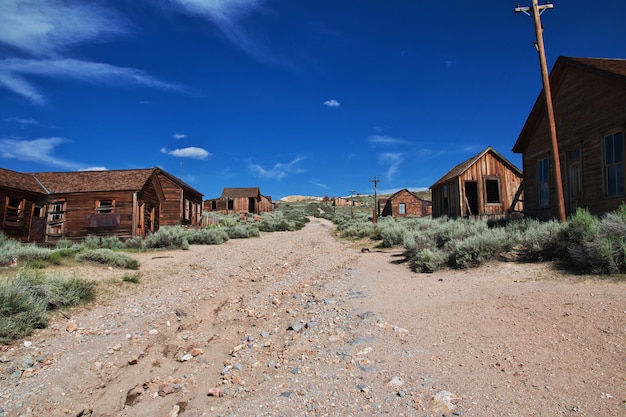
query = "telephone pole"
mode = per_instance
[
  {"x": 535, "y": 11},
  {"x": 351, "y": 204},
  {"x": 376, "y": 211}
]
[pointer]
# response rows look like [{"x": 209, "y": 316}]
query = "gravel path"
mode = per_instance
[{"x": 302, "y": 324}]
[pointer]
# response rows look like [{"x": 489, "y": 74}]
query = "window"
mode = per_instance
[
  {"x": 543, "y": 185},
  {"x": 444, "y": 202},
  {"x": 492, "y": 190},
  {"x": 14, "y": 212},
  {"x": 105, "y": 206},
  {"x": 402, "y": 208},
  {"x": 613, "y": 165},
  {"x": 187, "y": 211},
  {"x": 56, "y": 217}
]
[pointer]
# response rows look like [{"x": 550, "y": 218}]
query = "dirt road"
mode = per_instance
[{"x": 300, "y": 323}]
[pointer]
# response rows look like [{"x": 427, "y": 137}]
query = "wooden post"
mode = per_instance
[{"x": 556, "y": 161}]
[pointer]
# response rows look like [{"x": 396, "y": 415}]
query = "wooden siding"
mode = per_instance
[
  {"x": 23, "y": 225},
  {"x": 181, "y": 206},
  {"x": 468, "y": 191},
  {"x": 587, "y": 108}
]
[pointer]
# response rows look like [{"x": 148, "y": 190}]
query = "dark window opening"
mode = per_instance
[{"x": 492, "y": 189}]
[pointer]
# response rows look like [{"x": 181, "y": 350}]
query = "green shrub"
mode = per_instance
[
  {"x": 135, "y": 242},
  {"x": 428, "y": 260},
  {"x": 242, "y": 231},
  {"x": 539, "y": 240},
  {"x": 64, "y": 243},
  {"x": 210, "y": 236},
  {"x": 133, "y": 279},
  {"x": 392, "y": 233},
  {"x": 478, "y": 249},
  {"x": 109, "y": 257},
  {"x": 111, "y": 242},
  {"x": 26, "y": 299},
  {"x": 91, "y": 242},
  {"x": 168, "y": 237}
]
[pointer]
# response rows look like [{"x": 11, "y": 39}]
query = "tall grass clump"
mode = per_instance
[
  {"x": 26, "y": 298},
  {"x": 109, "y": 257},
  {"x": 167, "y": 237}
]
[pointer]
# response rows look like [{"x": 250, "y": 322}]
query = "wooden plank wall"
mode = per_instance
[
  {"x": 586, "y": 109},
  {"x": 20, "y": 232}
]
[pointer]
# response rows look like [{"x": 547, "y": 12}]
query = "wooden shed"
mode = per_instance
[
  {"x": 405, "y": 204},
  {"x": 23, "y": 207},
  {"x": 74, "y": 205},
  {"x": 240, "y": 200},
  {"x": 484, "y": 186},
  {"x": 589, "y": 100}
]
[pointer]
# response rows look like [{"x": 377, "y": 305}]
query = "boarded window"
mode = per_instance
[
  {"x": 543, "y": 185},
  {"x": 56, "y": 218},
  {"x": 14, "y": 212},
  {"x": 613, "y": 165},
  {"x": 105, "y": 206},
  {"x": 402, "y": 208},
  {"x": 492, "y": 190}
]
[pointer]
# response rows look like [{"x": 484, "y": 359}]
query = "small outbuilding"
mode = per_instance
[
  {"x": 486, "y": 186},
  {"x": 405, "y": 204},
  {"x": 240, "y": 200}
]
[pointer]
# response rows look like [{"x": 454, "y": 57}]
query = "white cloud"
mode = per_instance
[
  {"x": 386, "y": 140},
  {"x": 190, "y": 152},
  {"x": 392, "y": 161},
  {"x": 278, "y": 171},
  {"x": 23, "y": 122},
  {"x": 94, "y": 169},
  {"x": 14, "y": 70},
  {"x": 332, "y": 103},
  {"x": 228, "y": 15},
  {"x": 39, "y": 150},
  {"x": 46, "y": 28},
  {"x": 179, "y": 136}
]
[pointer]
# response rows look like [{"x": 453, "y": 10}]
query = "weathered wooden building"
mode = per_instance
[
  {"x": 240, "y": 200},
  {"x": 484, "y": 186},
  {"x": 405, "y": 204},
  {"x": 589, "y": 100},
  {"x": 23, "y": 207},
  {"x": 124, "y": 203}
]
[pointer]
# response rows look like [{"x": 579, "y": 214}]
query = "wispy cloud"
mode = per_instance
[
  {"x": 387, "y": 140},
  {"x": 14, "y": 70},
  {"x": 392, "y": 161},
  {"x": 179, "y": 136},
  {"x": 23, "y": 122},
  {"x": 47, "y": 28},
  {"x": 190, "y": 152},
  {"x": 332, "y": 103},
  {"x": 278, "y": 171},
  {"x": 39, "y": 150},
  {"x": 228, "y": 16},
  {"x": 39, "y": 35},
  {"x": 94, "y": 169}
]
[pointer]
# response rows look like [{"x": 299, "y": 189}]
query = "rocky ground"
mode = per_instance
[{"x": 302, "y": 324}]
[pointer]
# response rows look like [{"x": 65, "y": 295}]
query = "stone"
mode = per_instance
[
  {"x": 165, "y": 389},
  {"x": 215, "y": 392},
  {"x": 196, "y": 352},
  {"x": 71, "y": 327}
]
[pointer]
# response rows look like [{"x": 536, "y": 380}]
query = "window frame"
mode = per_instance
[
  {"x": 102, "y": 208},
  {"x": 543, "y": 184},
  {"x": 56, "y": 216},
  {"x": 402, "y": 209},
  {"x": 14, "y": 212},
  {"x": 614, "y": 170},
  {"x": 491, "y": 179}
]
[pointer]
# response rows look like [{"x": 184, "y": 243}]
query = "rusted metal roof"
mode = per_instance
[
  {"x": 465, "y": 165},
  {"x": 19, "y": 181},
  {"x": 87, "y": 181},
  {"x": 241, "y": 192}
]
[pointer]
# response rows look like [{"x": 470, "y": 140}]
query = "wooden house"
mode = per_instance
[
  {"x": 240, "y": 200},
  {"x": 589, "y": 100},
  {"x": 74, "y": 205},
  {"x": 23, "y": 206},
  {"x": 484, "y": 186},
  {"x": 405, "y": 204}
]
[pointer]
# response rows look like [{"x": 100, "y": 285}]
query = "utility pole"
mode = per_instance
[
  {"x": 535, "y": 11},
  {"x": 351, "y": 204},
  {"x": 376, "y": 211}
]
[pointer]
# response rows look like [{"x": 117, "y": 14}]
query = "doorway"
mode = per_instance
[{"x": 471, "y": 197}]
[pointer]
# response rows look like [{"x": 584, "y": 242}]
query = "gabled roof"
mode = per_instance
[
  {"x": 613, "y": 70},
  {"x": 86, "y": 181},
  {"x": 19, "y": 181},
  {"x": 465, "y": 165},
  {"x": 241, "y": 192},
  {"x": 394, "y": 195}
]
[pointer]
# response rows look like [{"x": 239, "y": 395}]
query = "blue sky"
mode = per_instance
[{"x": 295, "y": 96}]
